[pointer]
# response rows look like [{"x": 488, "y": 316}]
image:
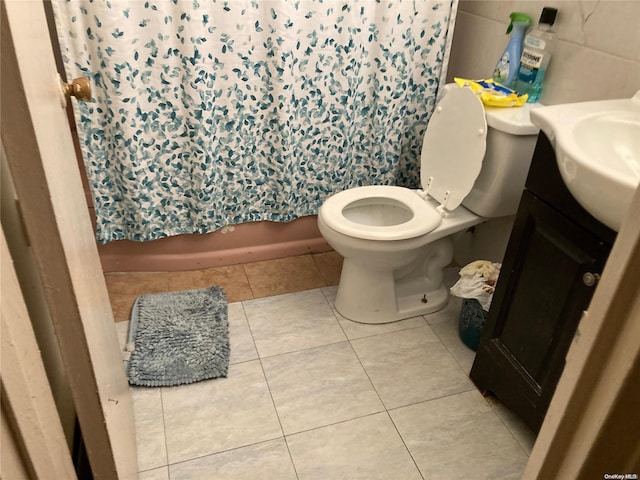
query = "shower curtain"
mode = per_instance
[{"x": 212, "y": 113}]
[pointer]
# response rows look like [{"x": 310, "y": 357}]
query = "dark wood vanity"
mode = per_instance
[{"x": 555, "y": 255}]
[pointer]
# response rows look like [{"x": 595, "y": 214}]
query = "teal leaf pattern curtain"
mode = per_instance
[{"x": 214, "y": 113}]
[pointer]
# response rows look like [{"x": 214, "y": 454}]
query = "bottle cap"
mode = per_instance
[
  {"x": 548, "y": 15},
  {"x": 519, "y": 18}
]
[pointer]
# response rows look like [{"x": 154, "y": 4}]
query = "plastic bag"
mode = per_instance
[
  {"x": 478, "y": 280},
  {"x": 493, "y": 94}
]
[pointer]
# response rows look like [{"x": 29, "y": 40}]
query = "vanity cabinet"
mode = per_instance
[{"x": 555, "y": 255}]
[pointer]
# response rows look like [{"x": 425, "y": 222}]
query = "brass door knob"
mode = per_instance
[{"x": 80, "y": 88}]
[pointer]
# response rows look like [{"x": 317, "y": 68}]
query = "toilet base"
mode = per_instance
[
  {"x": 409, "y": 305},
  {"x": 382, "y": 296}
]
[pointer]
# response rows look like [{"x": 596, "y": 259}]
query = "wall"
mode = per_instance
[{"x": 597, "y": 55}]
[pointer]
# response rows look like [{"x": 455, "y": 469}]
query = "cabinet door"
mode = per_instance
[{"x": 538, "y": 303}]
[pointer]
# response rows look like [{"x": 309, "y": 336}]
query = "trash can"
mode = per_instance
[
  {"x": 471, "y": 322},
  {"x": 475, "y": 286}
]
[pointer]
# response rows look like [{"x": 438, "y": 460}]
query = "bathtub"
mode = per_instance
[{"x": 248, "y": 242}]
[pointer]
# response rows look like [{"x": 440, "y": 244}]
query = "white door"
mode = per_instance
[{"x": 39, "y": 149}]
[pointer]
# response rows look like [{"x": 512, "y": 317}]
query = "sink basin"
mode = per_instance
[{"x": 597, "y": 147}]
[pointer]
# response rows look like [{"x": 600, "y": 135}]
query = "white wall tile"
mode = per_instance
[
  {"x": 579, "y": 74},
  {"x": 597, "y": 54},
  {"x": 477, "y": 44}
]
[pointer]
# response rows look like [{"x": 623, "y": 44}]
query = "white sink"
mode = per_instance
[{"x": 597, "y": 146}]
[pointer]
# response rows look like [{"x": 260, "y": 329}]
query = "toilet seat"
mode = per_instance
[
  {"x": 424, "y": 218},
  {"x": 452, "y": 152}
]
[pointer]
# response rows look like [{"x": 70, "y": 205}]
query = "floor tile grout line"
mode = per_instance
[
  {"x": 426, "y": 323},
  {"x": 402, "y": 406},
  {"x": 383, "y": 410},
  {"x": 200, "y": 457},
  {"x": 292, "y": 351},
  {"x": 358, "y": 417},
  {"x": 508, "y": 427},
  {"x": 368, "y": 377},
  {"x": 164, "y": 431},
  {"x": 301, "y": 350},
  {"x": 246, "y": 275},
  {"x": 163, "y": 411},
  {"x": 471, "y": 387},
  {"x": 449, "y": 351},
  {"x": 275, "y": 409},
  {"x": 405, "y": 445},
  {"x": 453, "y": 394},
  {"x": 326, "y": 281},
  {"x": 445, "y": 345},
  {"x": 504, "y": 422},
  {"x": 281, "y": 294},
  {"x": 273, "y": 402},
  {"x": 286, "y": 436},
  {"x": 318, "y": 273},
  {"x": 146, "y": 470},
  {"x": 493, "y": 410},
  {"x": 388, "y": 411}
]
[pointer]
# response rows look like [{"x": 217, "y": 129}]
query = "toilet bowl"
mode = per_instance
[{"x": 396, "y": 241}]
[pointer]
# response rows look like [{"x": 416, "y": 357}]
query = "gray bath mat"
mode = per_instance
[{"x": 178, "y": 337}]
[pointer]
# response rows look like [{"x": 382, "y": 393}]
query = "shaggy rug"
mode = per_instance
[{"x": 178, "y": 337}]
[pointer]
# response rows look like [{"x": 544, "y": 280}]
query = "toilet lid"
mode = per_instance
[{"x": 453, "y": 147}]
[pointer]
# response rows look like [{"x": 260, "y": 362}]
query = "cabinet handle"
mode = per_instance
[{"x": 590, "y": 279}]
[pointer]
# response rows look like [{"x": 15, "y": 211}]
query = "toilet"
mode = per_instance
[{"x": 396, "y": 241}]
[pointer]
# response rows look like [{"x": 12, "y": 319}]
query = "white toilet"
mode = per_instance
[{"x": 396, "y": 241}]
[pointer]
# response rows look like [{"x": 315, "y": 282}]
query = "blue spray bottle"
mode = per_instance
[{"x": 506, "y": 71}]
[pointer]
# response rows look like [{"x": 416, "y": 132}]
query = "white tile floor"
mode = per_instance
[{"x": 311, "y": 395}]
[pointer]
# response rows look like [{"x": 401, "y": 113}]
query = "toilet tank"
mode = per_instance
[{"x": 511, "y": 139}]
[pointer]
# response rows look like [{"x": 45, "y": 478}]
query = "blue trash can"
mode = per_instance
[{"x": 471, "y": 322}]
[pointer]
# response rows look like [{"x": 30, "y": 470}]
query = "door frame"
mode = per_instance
[
  {"x": 588, "y": 399},
  {"x": 40, "y": 153},
  {"x": 30, "y": 420}
]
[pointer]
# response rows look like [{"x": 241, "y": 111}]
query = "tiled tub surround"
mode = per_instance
[
  {"x": 312, "y": 395},
  {"x": 240, "y": 282}
]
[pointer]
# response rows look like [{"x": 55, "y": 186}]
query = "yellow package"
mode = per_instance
[{"x": 493, "y": 94}]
